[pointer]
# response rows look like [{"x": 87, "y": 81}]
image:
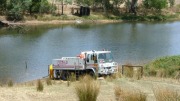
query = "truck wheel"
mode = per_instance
[
  {"x": 57, "y": 74},
  {"x": 65, "y": 75},
  {"x": 92, "y": 74}
]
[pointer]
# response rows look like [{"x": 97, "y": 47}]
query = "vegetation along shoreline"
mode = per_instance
[{"x": 33, "y": 12}]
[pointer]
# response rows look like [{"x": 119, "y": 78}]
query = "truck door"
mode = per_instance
[{"x": 91, "y": 59}]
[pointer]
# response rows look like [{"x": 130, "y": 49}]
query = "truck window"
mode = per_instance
[
  {"x": 88, "y": 58},
  {"x": 106, "y": 57}
]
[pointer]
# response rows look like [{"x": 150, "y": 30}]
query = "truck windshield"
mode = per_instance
[{"x": 105, "y": 57}]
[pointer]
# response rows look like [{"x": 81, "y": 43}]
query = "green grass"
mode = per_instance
[
  {"x": 87, "y": 89},
  {"x": 164, "y": 67}
]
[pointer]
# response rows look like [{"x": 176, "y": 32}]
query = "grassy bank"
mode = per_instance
[
  {"x": 164, "y": 67},
  {"x": 88, "y": 89},
  {"x": 95, "y": 17}
]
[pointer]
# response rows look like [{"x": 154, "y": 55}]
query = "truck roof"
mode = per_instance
[{"x": 93, "y": 51}]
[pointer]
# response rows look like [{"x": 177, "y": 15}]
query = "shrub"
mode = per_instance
[
  {"x": 87, "y": 89},
  {"x": 164, "y": 67},
  {"x": 14, "y": 16},
  {"x": 157, "y": 4},
  {"x": 122, "y": 95},
  {"x": 40, "y": 86}
]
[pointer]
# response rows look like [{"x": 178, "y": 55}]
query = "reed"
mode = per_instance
[
  {"x": 10, "y": 83},
  {"x": 40, "y": 86}
]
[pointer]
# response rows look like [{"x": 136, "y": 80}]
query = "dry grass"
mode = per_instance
[
  {"x": 10, "y": 83},
  {"x": 88, "y": 89},
  {"x": 137, "y": 73},
  {"x": 165, "y": 94},
  {"x": 48, "y": 81},
  {"x": 40, "y": 86},
  {"x": 127, "y": 95},
  {"x": 128, "y": 71},
  {"x": 113, "y": 77},
  {"x": 71, "y": 78},
  {"x": 109, "y": 79}
]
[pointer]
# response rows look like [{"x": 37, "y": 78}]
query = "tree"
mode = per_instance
[
  {"x": 16, "y": 9},
  {"x": 85, "y": 2},
  {"x": 156, "y": 4},
  {"x": 35, "y": 6},
  {"x": 45, "y": 7},
  {"x": 171, "y": 3},
  {"x": 62, "y": 3},
  {"x": 117, "y": 3},
  {"x": 40, "y": 6},
  {"x": 2, "y": 6},
  {"x": 133, "y": 6}
]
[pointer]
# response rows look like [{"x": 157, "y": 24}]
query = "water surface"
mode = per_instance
[{"x": 136, "y": 43}]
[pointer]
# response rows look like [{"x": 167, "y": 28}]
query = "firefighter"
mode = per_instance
[{"x": 51, "y": 72}]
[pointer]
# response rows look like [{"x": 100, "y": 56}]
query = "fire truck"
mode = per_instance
[{"x": 94, "y": 63}]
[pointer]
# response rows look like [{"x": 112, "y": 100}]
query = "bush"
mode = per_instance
[
  {"x": 41, "y": 6},
  {"x": 157, "y": 4},
  {"x": 40, "y": 86},
  {"x": 163, "y": 67},
  {"x": 16, "y": 9},
  {"x": 122, "y": 95},
  {"x": 87, "y": 89},
  {"x": 14, "y": 16}
]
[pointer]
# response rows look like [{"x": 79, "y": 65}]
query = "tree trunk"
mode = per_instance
[
  {"x": 104, "y": 7},
  {"x": 133, "y": 6},
  {"x": 62, "y": 6}
]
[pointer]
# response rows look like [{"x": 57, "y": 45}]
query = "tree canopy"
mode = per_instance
[
  {"x": 16, "y": 9},
  {"x": 157, "y": 4}
]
